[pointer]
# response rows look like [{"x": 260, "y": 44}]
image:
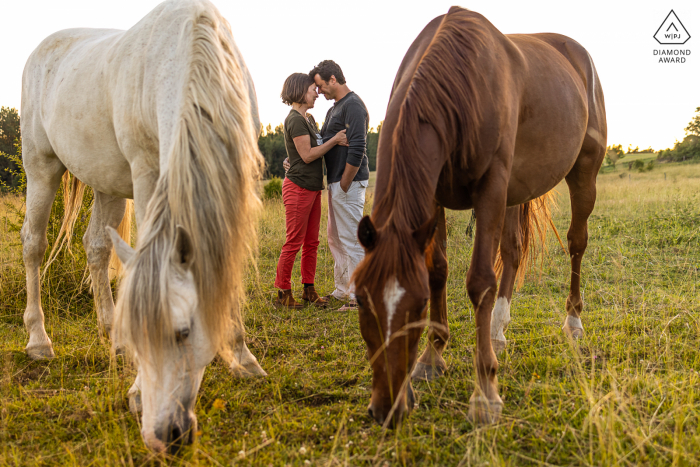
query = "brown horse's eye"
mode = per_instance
[{"x": 359, "y": 301}]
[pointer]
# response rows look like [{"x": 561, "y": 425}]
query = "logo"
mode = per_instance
[{"x": 672, "y": 31}]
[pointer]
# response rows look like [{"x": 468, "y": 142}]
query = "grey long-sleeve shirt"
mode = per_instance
[{"x": 350, "y": 114}]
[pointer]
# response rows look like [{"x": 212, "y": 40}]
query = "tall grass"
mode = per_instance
[{"x": 626, "y": 394}]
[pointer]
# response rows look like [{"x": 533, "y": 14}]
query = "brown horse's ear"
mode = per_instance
[
  {"x": 424, "y": 235},
  {"x": 367, "y": 234}
]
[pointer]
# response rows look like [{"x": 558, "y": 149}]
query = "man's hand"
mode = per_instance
[
  {"x": 286, "y": 165},
  {"x": 348, "y": 175}
]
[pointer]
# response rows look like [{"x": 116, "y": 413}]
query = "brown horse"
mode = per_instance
[{"x": 479, "y": 120}]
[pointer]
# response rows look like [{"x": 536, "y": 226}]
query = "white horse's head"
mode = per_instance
[{"x": 171, "y": 356}]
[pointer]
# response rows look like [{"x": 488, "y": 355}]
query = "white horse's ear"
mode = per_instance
[
  {"x": 124, "y": 251},
  {"x": 184, "y": 252}
]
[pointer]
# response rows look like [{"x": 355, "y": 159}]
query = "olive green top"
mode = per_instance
[{"x": 308, "y": 176}]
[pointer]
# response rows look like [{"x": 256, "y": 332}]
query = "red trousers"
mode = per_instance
[{"x": 302, "y": 209}]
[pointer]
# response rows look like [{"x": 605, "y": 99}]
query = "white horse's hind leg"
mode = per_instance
[
  {"x": 43, "y": 179},
  {"x": 108, "y": 211},
  {"x": 244, "y": 363}
]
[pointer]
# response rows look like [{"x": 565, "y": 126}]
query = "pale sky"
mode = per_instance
[{"x": 648, "y": 103}]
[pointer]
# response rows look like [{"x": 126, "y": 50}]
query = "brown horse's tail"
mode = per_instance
[
  {"x": 535, "y": 219},
  {"x": 73, "y": 193}
]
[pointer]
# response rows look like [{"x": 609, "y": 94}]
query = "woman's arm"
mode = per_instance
[{"x": 309, "y": 154}]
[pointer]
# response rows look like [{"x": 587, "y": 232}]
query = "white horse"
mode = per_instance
[{"x": 164, "y": 113}]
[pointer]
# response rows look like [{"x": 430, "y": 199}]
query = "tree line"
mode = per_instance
[
  {"x": 271, "y": 144},
  {"x": 686, "y": 150}
]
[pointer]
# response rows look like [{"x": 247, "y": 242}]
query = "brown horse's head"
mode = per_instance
[{"x": 392, "y": 293}]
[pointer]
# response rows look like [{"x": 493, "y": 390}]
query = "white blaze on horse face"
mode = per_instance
[
  {"x": 500, "y": 317},
  {"x": 393, "y": 292}
]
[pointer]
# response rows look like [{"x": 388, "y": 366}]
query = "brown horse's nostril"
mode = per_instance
[{"x": 371, "y": 412}]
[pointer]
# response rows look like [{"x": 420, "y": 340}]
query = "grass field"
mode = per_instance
[{"x": 627, "y": 394}]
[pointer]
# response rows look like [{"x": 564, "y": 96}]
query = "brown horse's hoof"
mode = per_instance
[
  {"x": 573, "y": 327},
  {"x": 483, "y": 411},
  {"x": 423, "y": 372},
  {"x": 40, "y": 352}
]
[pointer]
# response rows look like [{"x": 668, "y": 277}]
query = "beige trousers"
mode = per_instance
[{"x": 344, "y": 214}]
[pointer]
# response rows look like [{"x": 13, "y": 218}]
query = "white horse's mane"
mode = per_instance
[{"x": 208, "y": 187}]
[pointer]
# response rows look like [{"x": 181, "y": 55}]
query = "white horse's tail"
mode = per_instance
[{"x": 73, "y": 194}]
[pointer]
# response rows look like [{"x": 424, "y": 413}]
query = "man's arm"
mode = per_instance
[{"x": 356, "y": 125}]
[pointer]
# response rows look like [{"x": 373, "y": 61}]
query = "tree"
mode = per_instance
[
  {"x": 693, "y": 127},
  {"x": 372, "y": 143},
  {"x": 271, "y": 145},
  {"x": 10, "y": 136}
]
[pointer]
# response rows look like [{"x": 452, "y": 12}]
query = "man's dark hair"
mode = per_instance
[
  {"x": 295, "y": 87},
  {"x": 326, "y": 69}
]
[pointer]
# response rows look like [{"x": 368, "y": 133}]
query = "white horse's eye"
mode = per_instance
[{"x": 181, "y": 334}]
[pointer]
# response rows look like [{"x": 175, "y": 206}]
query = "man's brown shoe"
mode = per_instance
[
  {"x": 285, "y": 299},
  {"x": 310, "y": 295}
]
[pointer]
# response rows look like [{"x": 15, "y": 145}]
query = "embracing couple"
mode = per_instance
[{"x": 342, "y": 144}]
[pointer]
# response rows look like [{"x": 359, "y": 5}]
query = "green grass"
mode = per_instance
[{"x": 627, "y": 394}]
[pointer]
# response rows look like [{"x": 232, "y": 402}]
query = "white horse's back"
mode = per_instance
[{"x": 64, "y": 96}]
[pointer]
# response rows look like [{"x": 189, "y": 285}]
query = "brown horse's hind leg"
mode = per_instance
[
  {"x": 490, "y": 207},
  {"x": 511, "y": 251},
  {"x": 582, "y": 191},
  {"x": 431, "y": 365}
]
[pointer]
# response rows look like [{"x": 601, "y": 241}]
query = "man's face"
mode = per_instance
[{"x": 326, "y": 87}]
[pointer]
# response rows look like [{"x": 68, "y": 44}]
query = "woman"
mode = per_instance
[{"x": 301, "y": 190}]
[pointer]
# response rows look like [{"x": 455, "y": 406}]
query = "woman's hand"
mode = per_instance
[
  {"x": 286, "y": 164},
  {"x": 340, "y": 139}
]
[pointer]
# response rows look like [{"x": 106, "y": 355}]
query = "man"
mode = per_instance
[{"x": 347, "y": 170}]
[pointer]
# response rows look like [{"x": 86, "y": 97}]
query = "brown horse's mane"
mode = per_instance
[{"x": 443, "y": 93}]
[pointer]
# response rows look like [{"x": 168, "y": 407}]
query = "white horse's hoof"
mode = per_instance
[
  {"x": 40, "y": 352},
  {"x": 498, "y": 345},
  {"x": 483, "y": 411},
  {"x": 573, "y": 327},
  {"x": 423, "y": 372},
  {"x": 249, "y": 370}
]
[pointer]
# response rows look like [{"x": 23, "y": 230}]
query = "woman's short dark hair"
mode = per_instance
[
  {"x": 295, "y": 87},
  {"x": 326, "y": 69}
]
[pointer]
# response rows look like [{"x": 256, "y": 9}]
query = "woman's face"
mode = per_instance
[{"x": 311, "y": 95}]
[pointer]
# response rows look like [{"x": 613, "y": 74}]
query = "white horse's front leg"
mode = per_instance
[
  {"x": 108, "y": 211},
  {"x": 43, "y": 179}
]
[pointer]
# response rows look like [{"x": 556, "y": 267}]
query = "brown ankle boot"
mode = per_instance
[
  {"x": 285, "y": 299},
  {"x": 310, "y": 295}
]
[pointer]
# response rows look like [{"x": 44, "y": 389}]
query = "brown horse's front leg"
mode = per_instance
[
  {"x": 431, "y": 365},
  {"x": 490, "y": 206}
]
